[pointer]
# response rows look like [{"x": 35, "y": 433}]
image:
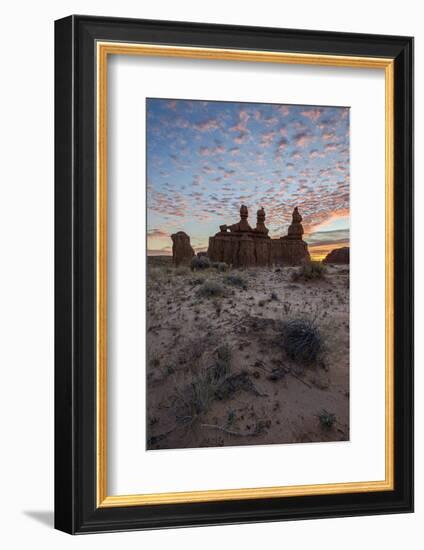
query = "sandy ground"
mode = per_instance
[{"x": 217, "y": 370}]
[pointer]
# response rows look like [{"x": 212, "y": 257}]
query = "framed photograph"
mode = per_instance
[{"x": 234, "y": 274}]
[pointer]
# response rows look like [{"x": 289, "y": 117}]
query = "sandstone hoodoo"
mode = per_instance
[
  {"x": 182, "y": 252},
  {"x": 242, "y": 246},
  {"x": 295, "y": 230},
  {"x": 338, "y": 256}
]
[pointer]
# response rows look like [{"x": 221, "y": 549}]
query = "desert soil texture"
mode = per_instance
[{"x": 251, "y": 356}]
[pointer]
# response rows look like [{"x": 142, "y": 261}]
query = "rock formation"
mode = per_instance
[
  {"x": 338, "y": 256},
  {"x": 295, "y": 250},
  {"x": 241, "y": 246},
  {"x": 260, "y": 223},
  {"x": 295, "y": 230},
  {"x": 182, "y": 252},
  {"x": 241, "y": 226}
]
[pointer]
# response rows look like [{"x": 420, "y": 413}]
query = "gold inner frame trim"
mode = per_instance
[{"x": 103, "y": 50}]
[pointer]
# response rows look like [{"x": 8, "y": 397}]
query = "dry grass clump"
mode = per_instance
[
  {"x": 210, "y": 289},
  {"x": 155, "y": 274},
  {"x": 220, "y": 266},
  {"x": 234, "y": 279},
  {"x": 196, "y": 398},
  {"x": 198, "y": 279},
  {"x": 310, "y": 271},
  {"x": 302, "y": 341},
  {"x": 181, "y": 271},
  {"x": 221, "y": 368},
  {"x": 326, "y": 419}
]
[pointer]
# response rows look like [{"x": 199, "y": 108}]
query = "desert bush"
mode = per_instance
[
  {"x": 310, "y": 271},
  {"x": 210, "y": 289},
  {"x": 302, "y": 340},
  {"x": 155, "y": 361},
  {"x": 198, "y": 280},
  {"x": 200, "y": 262},
  {"x": 181, "y": 270},
  {"x": 326, "y": 419},
  {"x": 235, "y": 279},
  {"x": 220, "y": 266}
]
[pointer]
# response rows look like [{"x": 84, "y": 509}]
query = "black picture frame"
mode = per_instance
[{"x": 76, "y": 510}]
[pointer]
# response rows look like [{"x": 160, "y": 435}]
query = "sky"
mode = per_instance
[{"x": 206, "y": 158}]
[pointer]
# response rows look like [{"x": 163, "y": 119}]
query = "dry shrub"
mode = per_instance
[
  {"x": 326, "y": 419},
  {"x": 220, "y": 266},
  {"x": 310, "y": 271},
  {"x": 181, "y": 270},
  {"x": 210, "y": 289},
  {"x": 199, "y": 263},
  {"x": 235, "y": 279},
  {"x": 302, "y": 341}
]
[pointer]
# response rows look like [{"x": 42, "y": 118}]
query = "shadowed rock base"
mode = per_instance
[{"x": 246, "y": 251}]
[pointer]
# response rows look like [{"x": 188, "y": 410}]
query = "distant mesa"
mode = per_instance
[
  {"x": 182, "y": 251},
  {"x": 338, "y": 256}
]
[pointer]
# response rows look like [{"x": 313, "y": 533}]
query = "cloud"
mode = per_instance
[
  {"x": 166, "y": 251},
  {"x": 181, "y": 122},
  {"x": 283, "y": 110},
  {"x": 241, "y": 138},
  {"x": 154, "y": 233},
  {"x": 270, "y": 121},
  {"x": 333, "y": 206},
  {"x": 303, "y": 139},
  {"x": 282, "y": 144},
  {"x": 267, "y": 138},
  {"x": 241, "y": 128},
  {"x": 208, "y": 151},
  {"x": 295, "y": 155},
  {"x": 207, "y": 125},
  {"x": 207, "y": 169},
  {"x": 312, "y": 114},
  {"x": 330, "y": 147},
  {"x": 314, "y": 154},
  {"x": 325, "y": 237}
]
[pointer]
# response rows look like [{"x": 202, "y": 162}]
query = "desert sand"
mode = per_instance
[{"x": 218, "y": 371}]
